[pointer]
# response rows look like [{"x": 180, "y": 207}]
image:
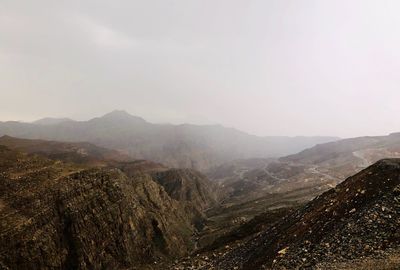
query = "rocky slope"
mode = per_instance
[
  {"x": 186, "y": 185},
  {"x": 61, "y": 216},
  {"x": 250, "y": 179},
  {"x": 82, "y": 152},
  {"x": 359, "y": 218},
  {"x": 184, "y": 146},
  {"x": 244, "y": 179},
  {"x": 192, "y": 190},
  {"x": 344, "y": 158},
  {"x": 323, "y": 167}
]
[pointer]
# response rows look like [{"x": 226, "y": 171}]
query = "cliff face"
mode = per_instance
[
  {"x": 192, "y": 190},
  {"x": 186, "y": 185},
  {"x": 57, "y": 216}
]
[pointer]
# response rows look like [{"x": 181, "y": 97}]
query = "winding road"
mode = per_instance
[{"x": 359, "y": 154}]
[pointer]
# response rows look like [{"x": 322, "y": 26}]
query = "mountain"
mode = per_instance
[
  {"x": 357, "y": 219},
  {"x": 184, "y": 185},
  {"x": 55, "y": 215},
  {"x": 331, "y": 163},
  {"x": 356, "y": 152},
  {"x": 100, "y": 211},
  {"x": 51, "y": 121},
  {"x": 184, "y": 146},
  {"x": 320, "y": 167}
]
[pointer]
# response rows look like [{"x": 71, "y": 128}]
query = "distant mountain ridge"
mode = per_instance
[
  {"x": 344, "y": 158},
  {"x": 185, "y": 146},
  {"x": 323, "y": 152},
  {"x": 320, "y": 167},
  {"x": 51, "y": 121}
]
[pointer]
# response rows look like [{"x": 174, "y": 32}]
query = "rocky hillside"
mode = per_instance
[
  {"x": 322, "y": 166},
  {"x": 194, "y": 192},
  {"x": 357, "y": 219},
  {"x": 134, "y": 167},
  {"x": 250, "y": 179},
  {"x": 62, "y": 216},
  {"x": 183, "y": 146},
  {"x": 244, "y": 179},
  {"x": 187, "y": 185},
  {"x": 344, "y": 158},
  {"x": 81, "y": 152}
]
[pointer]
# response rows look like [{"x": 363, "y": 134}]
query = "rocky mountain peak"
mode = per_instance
[{"x": 121, "y": 115}]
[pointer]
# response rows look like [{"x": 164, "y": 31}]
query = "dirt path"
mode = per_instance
[
  {"x": 314, "y": 170},
  {"x": 359, "y": 154}
]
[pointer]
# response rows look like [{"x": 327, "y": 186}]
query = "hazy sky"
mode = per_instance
[{"x": 266, "y": 67}]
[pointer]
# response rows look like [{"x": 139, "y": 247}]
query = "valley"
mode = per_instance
[
  {"x": 199, "y": 135},
  {"x": 57, "y": 194}
]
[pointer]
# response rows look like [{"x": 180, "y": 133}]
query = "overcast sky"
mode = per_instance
[{"x": 265, "y": 67}]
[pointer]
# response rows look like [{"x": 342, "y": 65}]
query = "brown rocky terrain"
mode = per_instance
[
  {"x": 192, "y": 190},
  {"x": 68, "y": 152},
  {"x": 322, "y": 166},
  {"x": 244, "y": 179},
  {"x": 187, "y": 185},
  {"x": 139, "y": 166},
  {"x": 355, "y": 224},
  {"x": 57, "y": 215},
  {"x": 75, "y": 205},
  {"x": 247, "y": 180},
  {"x": 344, "y": 158}
]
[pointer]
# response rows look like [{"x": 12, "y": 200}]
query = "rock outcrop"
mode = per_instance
[
  {"x": 192, "y": 190},
  {"x": 187, "y": 185},
  {"x": 59, "y": 216}
]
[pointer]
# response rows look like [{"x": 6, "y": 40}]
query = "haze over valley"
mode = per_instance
[
  {"x": 191, "y": 146},
  {"x": 199, "y": 135}
]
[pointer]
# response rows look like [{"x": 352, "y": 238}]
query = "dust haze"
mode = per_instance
[{"x": 265, "y": 67}]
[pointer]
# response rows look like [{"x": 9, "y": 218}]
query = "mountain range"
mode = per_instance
[
  {"x": 320, "y": 167},
  {"x": 80, "y": 205},
  {"x": 182, "y": 146}
]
